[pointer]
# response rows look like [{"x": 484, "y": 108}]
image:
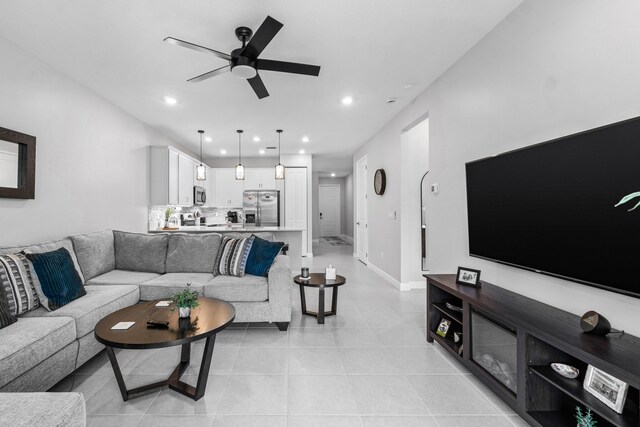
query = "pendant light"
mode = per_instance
[
  {"x": 239, "y": 168},
  {"x": 201, "y": 171},
  {"x": 279, "y": 166}
]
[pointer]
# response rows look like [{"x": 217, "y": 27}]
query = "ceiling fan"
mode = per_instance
[{"x": 244, "y": 62}]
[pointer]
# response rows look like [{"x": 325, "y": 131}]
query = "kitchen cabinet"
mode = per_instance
[
  {"x": 185, "y": 180},
  {"x": 228, "y": 190},
  {"x": 260, "y": 179},
  {"x": 164, "y": 176}
]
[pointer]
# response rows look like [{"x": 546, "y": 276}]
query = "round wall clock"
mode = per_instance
[{"x": 379, "y": 182}]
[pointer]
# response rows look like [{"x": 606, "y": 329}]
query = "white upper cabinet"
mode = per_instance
[
  {"x": 260, "y": 179},
  {"x": 165, "y": 176},
  {"x": 228, "y": 190},
  {"x": 185, "y": 183}
]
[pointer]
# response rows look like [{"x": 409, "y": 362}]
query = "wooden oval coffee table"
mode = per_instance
[
  {"x": 209, "y": 318},
  {"x": 318, "y": 280}
]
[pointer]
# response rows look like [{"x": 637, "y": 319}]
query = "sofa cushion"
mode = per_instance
[
  {"x": 96, "y": 304},
  {"x": 165, "y": 286},
  {"x": 17, "y": 287},
  {"x": 59, "y": 281},
  {"x": 262, "y": 255},
  {"x": 232, "y": 256},
  {"x": 238, "y": 289},
  {"x": 122, "y": 277},
  {"x": 43, "y": 409},
  {"x": 31, "y": 340},
  {"x": 140, "y": 252},
  {"x": 95, "y": 252},
  {"x": 192, "y": 253}
]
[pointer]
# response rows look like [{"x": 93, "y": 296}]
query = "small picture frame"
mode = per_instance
[
  {"x": 606, "y": 388},
  {"x": 443, "y": 327},
  {"x": 468, "y": 277}
]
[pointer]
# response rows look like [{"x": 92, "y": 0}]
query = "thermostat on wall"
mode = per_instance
[{"x": 435, "y": 188}]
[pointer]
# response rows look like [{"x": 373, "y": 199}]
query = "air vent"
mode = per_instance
[{"x": 272, "y": 148}]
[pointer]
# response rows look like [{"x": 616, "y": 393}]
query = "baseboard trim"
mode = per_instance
[
  {"x": 413, "y": 284},
  {"x": 396, "y": 284},
  {"x": 347, "y": 239},
  {"x": 355, "y": 255}
]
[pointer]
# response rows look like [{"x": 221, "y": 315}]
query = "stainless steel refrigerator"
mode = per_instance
[{"x": 261, "y": 208}]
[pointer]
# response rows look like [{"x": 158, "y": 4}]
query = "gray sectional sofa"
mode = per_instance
[{"x": 119, "y": 269}]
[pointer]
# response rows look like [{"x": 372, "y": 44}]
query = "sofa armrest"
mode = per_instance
[{"x": 279, "y": 280}]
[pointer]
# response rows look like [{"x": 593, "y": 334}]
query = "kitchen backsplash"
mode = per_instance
[{"x": 156, "y": 213}]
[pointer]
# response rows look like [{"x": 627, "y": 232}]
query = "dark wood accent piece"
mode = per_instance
[
  {"x": 544, "y": 334},
  {"x": 283, "y": 326},
  {"x": 317, "y": 280},
  {"x": 26, "y": 165},
  {"x": 210, "y": 317}
]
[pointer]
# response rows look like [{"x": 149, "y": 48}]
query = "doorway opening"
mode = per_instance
[{"x": 361, "y": 231}]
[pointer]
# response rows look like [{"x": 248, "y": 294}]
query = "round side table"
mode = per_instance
[{"x": 317, "y": 280}]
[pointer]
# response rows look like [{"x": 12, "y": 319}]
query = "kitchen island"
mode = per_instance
[{"x": 289, "y": 235}]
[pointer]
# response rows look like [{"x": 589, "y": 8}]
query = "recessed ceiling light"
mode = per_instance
[
  {"x": 333, "y": 174},
  {"x": 262, "y": 151},
  {"x": 223, "y": 151},
  {"x": 347, "y": 100},
  {"x": 301, "y": 151},
  {"x": 408, "y": 86},
  {"x": 208, "y": 138},
  {"x": 256, "y": 139},
  {"x": 305, "y": 139},
  {"x": 170, "y": 100}
]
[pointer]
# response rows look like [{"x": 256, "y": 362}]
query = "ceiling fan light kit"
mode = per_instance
[
  {"x": 244, "y": 62},
  {"x": 279, "y": 167},
  {"x": 201, "y": 170},
  {"x": 240, "y": 167}
]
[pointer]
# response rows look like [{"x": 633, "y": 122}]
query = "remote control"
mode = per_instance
[{"x": 159, "y": 324}]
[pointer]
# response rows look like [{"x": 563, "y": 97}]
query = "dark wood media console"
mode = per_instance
[{"x": 501, "y": 328}]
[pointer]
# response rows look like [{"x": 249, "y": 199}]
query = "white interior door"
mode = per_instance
[
  {"x": 362, "y": 232},
  {"x": 329, "y": 207},
  {"x": 295, "y": 201}
]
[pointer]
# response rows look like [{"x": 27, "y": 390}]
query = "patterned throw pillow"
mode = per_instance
[
  {"x": 17, "y": 282},
  {"x": 232, "y": 256},
  {"x": 261, "y": 257},
  {"x": 59, "y": 279},
  {"x": 6, "y": 318}
]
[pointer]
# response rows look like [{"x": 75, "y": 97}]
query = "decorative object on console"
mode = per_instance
[
  {"x": 232, "y": 256},
  {"x": 261, "y": 256},
  {"x": 443, "y": 327},
  {"x": 330, "y": 273},
  {"x": 185, "y": 300},
  {"x": 201, "y": 170},
  {"x": 606, "y": 388},
  {"x": 240, "y": 167},
  {"x": 18, "y": 284},
  {"x": 280, "y": 170},
  {"x": 244, "y": 62},
  {"x": 379, "y": 182},
  {"x": 457, "y": 337},
  {"x": 584, "y": 419},
  {"x": 468, "y": 277},
  {"x": 453, "y": 307},
  {"x": 595, "y": 323},
  {"x": 627, "y": 198},
  {"x": 58, "y": 277},
  {"x": 566, "y": 371}
]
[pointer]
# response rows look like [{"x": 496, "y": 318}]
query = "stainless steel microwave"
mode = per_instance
[{"x": 199, "y": 195}]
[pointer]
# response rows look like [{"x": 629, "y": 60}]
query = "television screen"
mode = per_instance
[{"x": 551, "y": 208}]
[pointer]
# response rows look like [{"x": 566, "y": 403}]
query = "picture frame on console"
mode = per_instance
[
  {"x": 608, "y": 389},
  {"x": 468, "y": 277}
]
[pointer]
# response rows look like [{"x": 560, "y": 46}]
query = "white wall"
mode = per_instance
[
  {"x": 91, "y": 157},
  {"x": 348, "y": 219},
  {"x": 549, "y": 69}
]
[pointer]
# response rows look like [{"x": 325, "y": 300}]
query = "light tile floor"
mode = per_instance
[{"x": 368, "y": 366}]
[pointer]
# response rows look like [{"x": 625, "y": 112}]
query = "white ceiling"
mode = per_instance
[{"x": 370, "y": 49}]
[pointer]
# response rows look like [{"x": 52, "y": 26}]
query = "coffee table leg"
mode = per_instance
[
  {"x": 201, "y": 385},
  {"x": 118, "y": 373},
  {"x": 321, "y": 305}
]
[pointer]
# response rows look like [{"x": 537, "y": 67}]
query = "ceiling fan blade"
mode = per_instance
[
  {"x": 288, "y": 67},
  {"x": 258, "y": 87},
  {"x": 197, "y": 47},
  {"x": 262, "y": 37},
  {"x": 210, "y": 74}
]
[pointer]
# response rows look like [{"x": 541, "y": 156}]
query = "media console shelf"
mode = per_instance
[{"x": 509, "y": 340}]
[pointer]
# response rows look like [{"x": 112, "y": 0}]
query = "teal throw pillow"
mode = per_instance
[{"x": 261, "y": 257}]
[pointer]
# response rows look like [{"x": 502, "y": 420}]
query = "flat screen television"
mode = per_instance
[{"x": 550, "y": 207}]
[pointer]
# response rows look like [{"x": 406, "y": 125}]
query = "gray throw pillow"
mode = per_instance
[
  {"x": 141, "y": 252},
  {"x": 192, "y": 253},
  {"x": 96, "y": 253}
]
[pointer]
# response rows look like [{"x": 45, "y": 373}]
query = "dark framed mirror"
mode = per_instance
[{"x": 17, "y": 165}]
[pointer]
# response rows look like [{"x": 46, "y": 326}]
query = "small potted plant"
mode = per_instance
[
  {"x": 167, "y": 216},
  {"x": 584, "y": 419},
  {"x": 185, "y": 300}
]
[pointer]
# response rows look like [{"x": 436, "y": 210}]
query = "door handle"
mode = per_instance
[{"x": 358, "y": 223}]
